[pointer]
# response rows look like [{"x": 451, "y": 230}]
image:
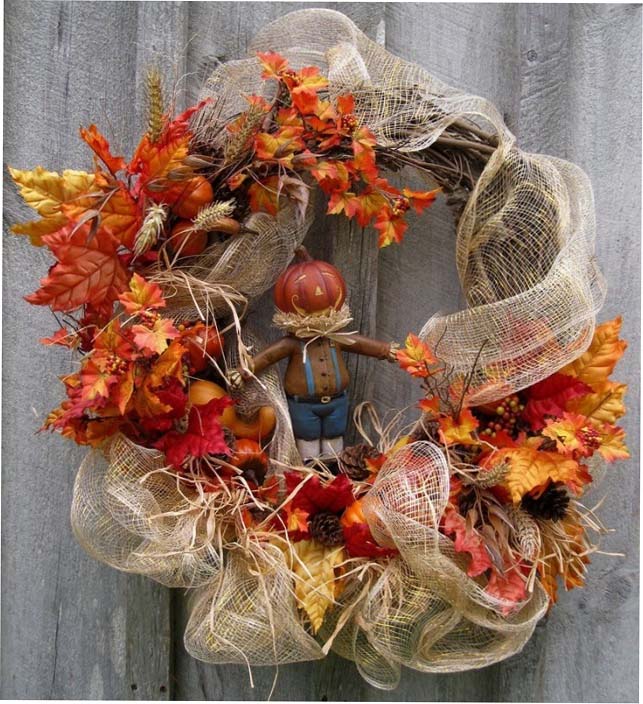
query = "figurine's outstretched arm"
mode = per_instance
[
  {"x": 371, "y": 348},
  {"x": 267, "y": 357}
]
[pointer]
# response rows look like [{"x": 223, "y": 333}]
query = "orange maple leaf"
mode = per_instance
[
  {"x": 96, "y": 378},
  {"x": 416, "y": 358},
  {"x": 572, "y": 434},
  {"x": 154, "y": 339},
  {"x": 331, "y": 176},
  {"x": 459, "y": 430},
  {"x": 430, "y": 405},
  {"x": 100, "y": 147},
  {"x": 168, "y": 366},
  {"x": 391, "y": 229},
  {"x": 279, "y": 147},
  {"x": 142, "y": 295},
  {"x": 88, "y": 270},
  {"x": 273, "y": 64},
  {"x": 530, "y": 468},
  {"x": 304, "y": 86},
  {"x": 366, "y": 206},
  {"x": 264, "y": 195},
  {"x": 421, "y": 200},
  {"x": 153, "y": 161},
  {"x": 596, "y": 364},
  {"x": 121, "y": 392},
  {"x": 612, "y": 443}
]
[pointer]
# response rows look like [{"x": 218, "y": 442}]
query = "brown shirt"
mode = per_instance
[{"x": 325, "y": 379}]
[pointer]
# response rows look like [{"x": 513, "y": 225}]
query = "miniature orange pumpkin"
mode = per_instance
[
  {"x": 309, "y": 286},
  {"x": 205, "y": 343},
  {"x": 185, "y": 241},
  {"x": 259, "y": 427},
  {"x": 195, "y": 194}
]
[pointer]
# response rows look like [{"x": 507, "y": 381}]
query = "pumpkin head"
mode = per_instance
[{"x": 309, "y": 286}]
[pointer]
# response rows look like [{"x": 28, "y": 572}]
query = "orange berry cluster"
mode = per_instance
[{"x": 505, "y": 417}]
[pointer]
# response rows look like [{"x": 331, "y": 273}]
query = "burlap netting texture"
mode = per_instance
[{"x": 526, "y": 263}]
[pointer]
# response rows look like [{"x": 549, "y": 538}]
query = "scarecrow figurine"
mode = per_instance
[{"x": 310, "y": 299}]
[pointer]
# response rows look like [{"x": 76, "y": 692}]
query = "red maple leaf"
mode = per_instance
[
  {"x": 550, "y": 396},
  {"x": 88, "y": 270},
  {"x": 203, "y": 436},
  {"x": 361, "y": 543},
  {"x": 315, "y": 497}
]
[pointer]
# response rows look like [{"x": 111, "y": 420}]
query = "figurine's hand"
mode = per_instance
[
  {"x": 392, "y": 353},
  {"x": 235, "y": 379}
]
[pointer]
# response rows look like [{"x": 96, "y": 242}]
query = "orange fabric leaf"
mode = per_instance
[
  {"x": 466, "y": 539},
  {"x": 155, "y": 339},
  {"x": 612, "y": 444},
  {"x": 100, "y": 147},
  {"x": 605, "y": 405},
  {"x": 264, "y": 196},
  {"x": 273, "y": 64},
  {"x": 530, "y": 468},
  {"x": 416, "y": 357},
  {"x": 88, "y": 270},
  {"x": 596, "y": 364},
  {"x": 459, "y": 431},
  {"x": 142, "y": 295},
  {"x": 421, "y": 200},
  {"x": 390, "y": 229},
  {"x": 572, "y": 434}
]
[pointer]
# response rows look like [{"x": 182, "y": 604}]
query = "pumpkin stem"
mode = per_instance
[{"x": 301, "y": 253}]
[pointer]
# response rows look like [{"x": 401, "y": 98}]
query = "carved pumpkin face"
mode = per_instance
[{"x": 310, "y": 287}]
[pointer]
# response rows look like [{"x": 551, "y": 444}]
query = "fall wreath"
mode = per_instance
[{"x": 436, "y": 545}]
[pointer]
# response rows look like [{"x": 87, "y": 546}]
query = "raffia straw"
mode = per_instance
[{"x": 312, "y": 327}]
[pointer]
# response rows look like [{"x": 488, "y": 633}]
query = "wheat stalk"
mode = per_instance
[
  {"x": 527, "y": 532},
  {"x": 155, "y": 103},
  {"x": 238, "y": 142},
  {"x": 151, "y": 228},
  {"x": 209, "y": 216},
  {"x": 487, "y": 478}
]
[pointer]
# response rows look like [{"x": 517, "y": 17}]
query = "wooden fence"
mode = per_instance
[{"x": 568, "y": 80}]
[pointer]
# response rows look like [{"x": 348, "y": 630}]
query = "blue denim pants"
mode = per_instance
[{"x": 313, "y": 419}]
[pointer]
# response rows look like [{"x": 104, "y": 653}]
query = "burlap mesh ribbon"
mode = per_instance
[{"x": 525, "y": 258}]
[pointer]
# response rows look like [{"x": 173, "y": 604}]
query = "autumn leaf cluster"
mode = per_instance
[
  {"x": 527, "y": 452},
  {"x": 303, "y": 138}
]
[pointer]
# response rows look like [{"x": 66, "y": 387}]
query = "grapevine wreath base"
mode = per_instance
[{"x": 437, "y": 546}]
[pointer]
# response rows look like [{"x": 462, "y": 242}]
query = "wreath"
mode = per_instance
[{"x": 436, "y": 544}]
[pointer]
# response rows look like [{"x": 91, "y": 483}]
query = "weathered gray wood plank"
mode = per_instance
[
  {"x": 71, "y": 627},
  {"x": 581, "y": 100}
]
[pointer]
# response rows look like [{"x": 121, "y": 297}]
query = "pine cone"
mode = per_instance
[
  {"x": 426, "y": 430},
  {"x": 551, "y": 505},
  {"x": 352, "y": 461},
  {"x": 326, "y": 529}
]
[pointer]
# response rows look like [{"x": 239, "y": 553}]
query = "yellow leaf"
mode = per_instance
[
  {"x": 612, "y": 445},
  {"x": 46, "y": 192},
  {"x": 460, "y": 431},
  {"x": 316, "y": 584},
  {"x": 529, "y": 468},
  {"x": 604, "y": 406},
  {"x": 35, "y": 229},
  {"x": 596, "y": 364}
]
